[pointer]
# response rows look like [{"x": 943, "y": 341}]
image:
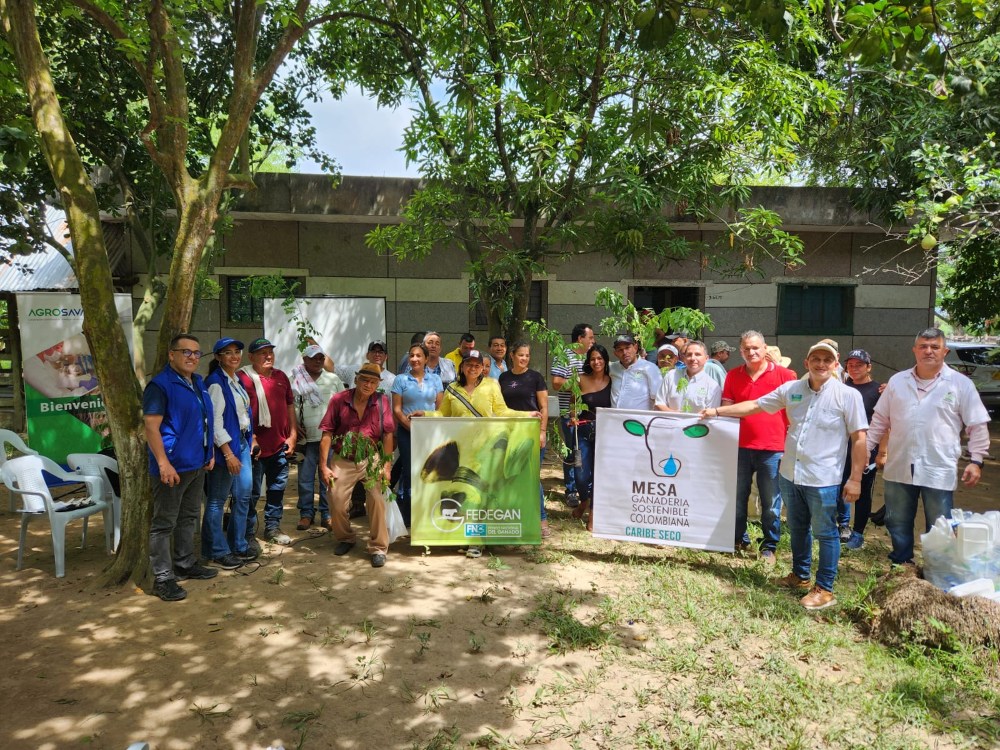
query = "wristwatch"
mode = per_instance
[{"x": 977, "y": 463}]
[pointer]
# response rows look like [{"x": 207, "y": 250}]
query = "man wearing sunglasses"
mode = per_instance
[{"x": 178, "y": 420}]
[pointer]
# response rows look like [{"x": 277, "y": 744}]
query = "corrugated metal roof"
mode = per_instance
[{"x": 45, "y": 269}]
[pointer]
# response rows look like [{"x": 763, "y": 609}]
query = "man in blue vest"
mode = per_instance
[{"x": 178, "y": 419}]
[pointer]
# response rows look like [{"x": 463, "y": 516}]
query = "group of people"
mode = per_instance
[
  {"x": 232, "y": 435},
  {"x": 813, "y": 443}
]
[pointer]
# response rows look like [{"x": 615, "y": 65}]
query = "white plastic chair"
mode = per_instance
[
  {"x": 98, "y": 465},
  {"x": 12, "y": 438},
  {"x": 23, "y": 477}
]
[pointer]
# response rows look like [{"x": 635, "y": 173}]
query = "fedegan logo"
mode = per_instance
[
  {"x": 55, "y": 312},
  {"x": 447, "y": 515},
  {"x": 662, "y": 461}
]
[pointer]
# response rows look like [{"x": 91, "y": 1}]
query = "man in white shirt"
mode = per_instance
[
  {"x": 691, "y": 389},
  {"x": 377, "y": 354},
  {"x": 634, "y": 381},
  {"x": 313, "y": 387},
  {"x": 826, "y": 420},
  {"x": 924, "y": 409},
  {"x": 498, "y": 357}
]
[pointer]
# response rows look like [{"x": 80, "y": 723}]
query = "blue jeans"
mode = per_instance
[
  {"x": 584, "y": 475},
  {"x": 901, "y": 512},
  {"x": 863, "y": 505},
  {"x": 307, "y": 481},
  {"x": 541, "y": 490},
  {"x": 812, "y": 512},
  {"x": 275, "y": 469},
  {"x": 404, "y": 484},
  {"x": 765, "y": 465},
  {"x": 569, "y": 438},
  {"x": 221, "y": 483}
]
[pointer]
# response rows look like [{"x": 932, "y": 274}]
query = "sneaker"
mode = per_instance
[
  {"x": 343, "y": 548},
  {"x": 253, "y": 547},
  {"x": 378, "y": 560},
  {"x": 304, "y": 523},
  {"x": 169, "y": 591},
  {"x": 792, "y": 581},
  {"x": 248, "y": 555},
  {"x": 878, "y": 517},
  {"x": 768, "y": 558},
  {"x": 572, "y": 499},
  {"x": 196, "y": 573},
  {"x": 856, "y": 541},
  {"x": 276, "y": 536},
  {"x": 227, "y": 562},
  {"x": 818, "y": 598},
  {"x": 474, "y": 552},
  {"x": 327, "y": 523},
  {"x": 845, "y": 534}
]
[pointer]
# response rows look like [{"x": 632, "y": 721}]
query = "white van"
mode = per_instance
[{"x": 981, "y": 362}]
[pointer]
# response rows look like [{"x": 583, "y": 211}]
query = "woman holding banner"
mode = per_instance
[
  {"x": 595, "y": 392},
  {"x": 525, "y": 390},
  {"x": 413, "y": 393},
  {"x": 474, "y": 395}
]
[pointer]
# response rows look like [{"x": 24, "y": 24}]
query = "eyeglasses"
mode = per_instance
[
  {"x": 190, "y": 353},
  {"x": 228, "y": 352}
]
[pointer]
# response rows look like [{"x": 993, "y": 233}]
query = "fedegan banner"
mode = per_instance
[
  {"x": 62, "y": 397},
  {"x": 475, "y": 481},
  {"x": 666, "y": 478}
]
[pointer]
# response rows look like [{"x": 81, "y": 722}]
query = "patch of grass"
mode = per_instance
[
  {"x": 209, "y": 714},
  {"x": 277, "y": 577},
  {"x": 368, "y": 630},
  {"x": 565, "y": 632},
  {"x": 496, "y": 563}
]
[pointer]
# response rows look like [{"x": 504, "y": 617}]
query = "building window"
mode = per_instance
[
  {"x": 536, "y": 306},
  {"x": 815, "y": 310},
  {"x": 659, "y": 298},
  {"x": 246, "y": 306}
]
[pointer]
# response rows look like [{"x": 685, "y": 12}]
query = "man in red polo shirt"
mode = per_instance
[
  {"x": 363, "y": 412},
  {"x": 762, "y": 441}
]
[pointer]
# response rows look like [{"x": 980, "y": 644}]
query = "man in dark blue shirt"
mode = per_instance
[{"x": 178, "y": 419}]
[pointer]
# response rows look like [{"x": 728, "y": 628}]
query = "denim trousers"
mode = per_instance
[
  {"x": 275, "y": 470},
  {"x": 812, "y": 513},
  {"x": 569, "y": 438},
  {"x": 541, "y": 490},
  {"x": 765, "y": 465},
  {"x": 863, "y": 505},
  {"x": 215, "y": 543},
  {"x": 404, "y": 485},
  {"x": 175, "y": 517},
  {"x": 584, "y": 475},
  {"x": 307, "y": 482},
  {"x": 901, "y": 512}
]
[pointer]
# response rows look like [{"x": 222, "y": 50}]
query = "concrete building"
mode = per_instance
[{"x": 301, "y": 227}]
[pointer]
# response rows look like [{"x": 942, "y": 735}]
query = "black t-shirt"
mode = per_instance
[
  {"x": 521, "y": 391},
  {"x": 869, "y": 394}
]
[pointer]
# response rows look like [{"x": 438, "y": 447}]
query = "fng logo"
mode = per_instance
[{"x": 475, "y": 529}]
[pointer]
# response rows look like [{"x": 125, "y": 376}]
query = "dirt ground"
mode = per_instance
[{"x": 304, "y": 649}]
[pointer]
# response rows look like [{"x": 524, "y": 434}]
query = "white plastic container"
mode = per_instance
[
  {"x": 979, "y": 587},
  {"x": 974, "y": 538}
]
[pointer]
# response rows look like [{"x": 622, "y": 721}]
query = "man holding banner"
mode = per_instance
[{"x": 826, "y": 418}]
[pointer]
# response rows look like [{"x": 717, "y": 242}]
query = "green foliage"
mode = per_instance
[
  {"x": 623, "y": 316},
  {"x": 277, "y": 286}
]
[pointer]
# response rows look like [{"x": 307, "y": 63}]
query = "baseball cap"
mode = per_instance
[
  {"x": 669, "y": 348},
  {"x": 860, "y": 354},
  {"x": 224, "y": 342},
  {"x": 473, "y": 354},
  {"x": 624, "y": 338},
  {"x": 257, "y": 344},
  {"x": 369, "y": 369},
  {"x": 377, "y": 345},
  {"x": 722, "y": 346},
  {"x": 313, "y": 350},
  {"x": 824, "y": 346}
]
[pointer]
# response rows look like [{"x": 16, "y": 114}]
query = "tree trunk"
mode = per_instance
[
  {"x": 104, "y": 334},
  {"x": 198, "y": 210}
]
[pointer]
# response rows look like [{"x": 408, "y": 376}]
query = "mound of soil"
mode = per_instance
[{"x": 909, "y": 609}]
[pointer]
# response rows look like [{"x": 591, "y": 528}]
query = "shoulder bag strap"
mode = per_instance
[{"x": 454, "y": 392}]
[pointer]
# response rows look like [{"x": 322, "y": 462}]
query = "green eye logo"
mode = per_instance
[{"x": 665, "y": 440}]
